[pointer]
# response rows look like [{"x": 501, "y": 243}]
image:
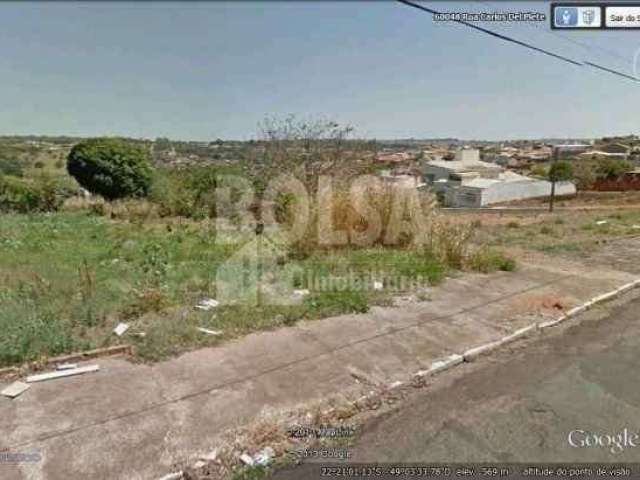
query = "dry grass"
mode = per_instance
[{"x": 131, "y": 210}]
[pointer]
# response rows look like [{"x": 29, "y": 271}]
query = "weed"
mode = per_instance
[
  {"x": 332, "y": 303},
  {"x": 488, "y": 260},
  {"x": 256, "y": 472},
  {"x": 148, "y": 301}
]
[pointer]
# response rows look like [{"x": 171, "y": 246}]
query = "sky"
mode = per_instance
[{"x": 207, "y": 70}]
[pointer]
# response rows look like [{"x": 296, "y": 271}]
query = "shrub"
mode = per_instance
[
  {"x": 611, "y": 168},
  {"x": 584, "y": 174},
  {"x": 185, "y": 193},
  {"x": 111, "y": 167},
  {"x": 450, "y": 242},
  {"x": 539, "y": 171},
  {"x": 42, "y": 194},
  {"x": 11, "y": 166},
  {"x": 560, "y": 171}
]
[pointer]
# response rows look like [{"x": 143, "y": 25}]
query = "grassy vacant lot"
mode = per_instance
[
  {"x": 71, "y": 269},
  {"x": 66, "y": 280},
  {"x": 564, "y": 233}
]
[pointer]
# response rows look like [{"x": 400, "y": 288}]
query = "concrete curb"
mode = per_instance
[
  {"x": 473, "y": 353},
  {"x": 518, "y": 334},
  {"x": 590, "y": 303},
  {"x": 375, "y": 397},
  {"x": 439, "y": 366}
]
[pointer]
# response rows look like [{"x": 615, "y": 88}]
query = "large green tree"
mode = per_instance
[{"x": 111, "y": 167}]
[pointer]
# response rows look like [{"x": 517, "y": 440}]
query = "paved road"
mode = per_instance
[{"x": 521, "y": 405}]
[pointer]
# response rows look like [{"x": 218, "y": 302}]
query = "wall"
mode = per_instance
[
  {"x": 625, "y": 183},
  {"x": 473, "y": 197},
  {"x": 437, "y": 172},
  {"x": 504, "y": 192}
]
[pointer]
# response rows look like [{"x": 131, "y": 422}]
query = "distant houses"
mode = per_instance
[{"x": 466, "y": 181}]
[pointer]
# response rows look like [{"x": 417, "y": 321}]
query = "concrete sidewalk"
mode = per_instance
[{"x": 132, "y": 421}]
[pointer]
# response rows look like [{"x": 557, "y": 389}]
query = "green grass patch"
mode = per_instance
[{"x": 66, "y": 280}]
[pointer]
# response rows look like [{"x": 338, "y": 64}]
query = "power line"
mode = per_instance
[
  {"x": 497, "y": 35},
  {"x": 525, "y": 44},
  {"x": 587, "y": 46},
  {"x": 610, "y": 70}
]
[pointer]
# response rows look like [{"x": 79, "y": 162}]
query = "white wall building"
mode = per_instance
[{"x": 469, "y": 182}]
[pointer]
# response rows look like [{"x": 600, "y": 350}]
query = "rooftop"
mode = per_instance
[{"x": 461, "y": 166}]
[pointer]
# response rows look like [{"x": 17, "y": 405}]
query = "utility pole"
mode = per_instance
[{"x": 552, "y": 177}]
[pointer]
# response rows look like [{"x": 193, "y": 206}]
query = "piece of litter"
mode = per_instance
[
  {"x": 207, "y": 304},
  {"x": 210, "y": 457},
  {"x": 301, "y": 293},
  {"x": 15, "y": 389},
  {"x": 66, "y": 366},
  {"x": 173, "y": 476},
  {"x": 209, "y": 332},
  {"x": 62, "y": 373},
  {"x": 120, "y": 329},
  {"x": 139, "y": 334},
  {"x": 378, "y": 286},
  {"x": 635, "y": 226},
  {"x": 264, "y": 457},
  {"x": 246, "y": 459},
  {"x": 601, "y": 222}
]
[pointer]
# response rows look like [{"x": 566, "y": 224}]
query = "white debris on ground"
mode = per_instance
[
  {"x": 207, "y": 304},
  {"x": 301, "y": 292},
  {"x": 173, "y": 476},
  {"x": 247, "y": 459},
  {"x": 209, "y": 332},
  {"x": 601, "y": 222},
  {"x": 62, "y": 373},
  {"x": 15, "y": 389},
  {"x": 120, "y": 329},
  {"x": 67, "y": 366},
  {"x": 264, "y": 457},
  {"x": 378, "y": 286}
]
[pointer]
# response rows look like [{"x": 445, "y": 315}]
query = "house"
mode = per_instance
[
  {"x": 617, "y": 148},
  {"x": 561, "y": 152},
  {"x": 599, "y": 154},
  {"x": 469, "y": 182},
  {"x": 466, "y": 162}
]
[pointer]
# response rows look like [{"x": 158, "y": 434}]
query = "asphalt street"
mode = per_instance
[{"x": 569, "y": 396}]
